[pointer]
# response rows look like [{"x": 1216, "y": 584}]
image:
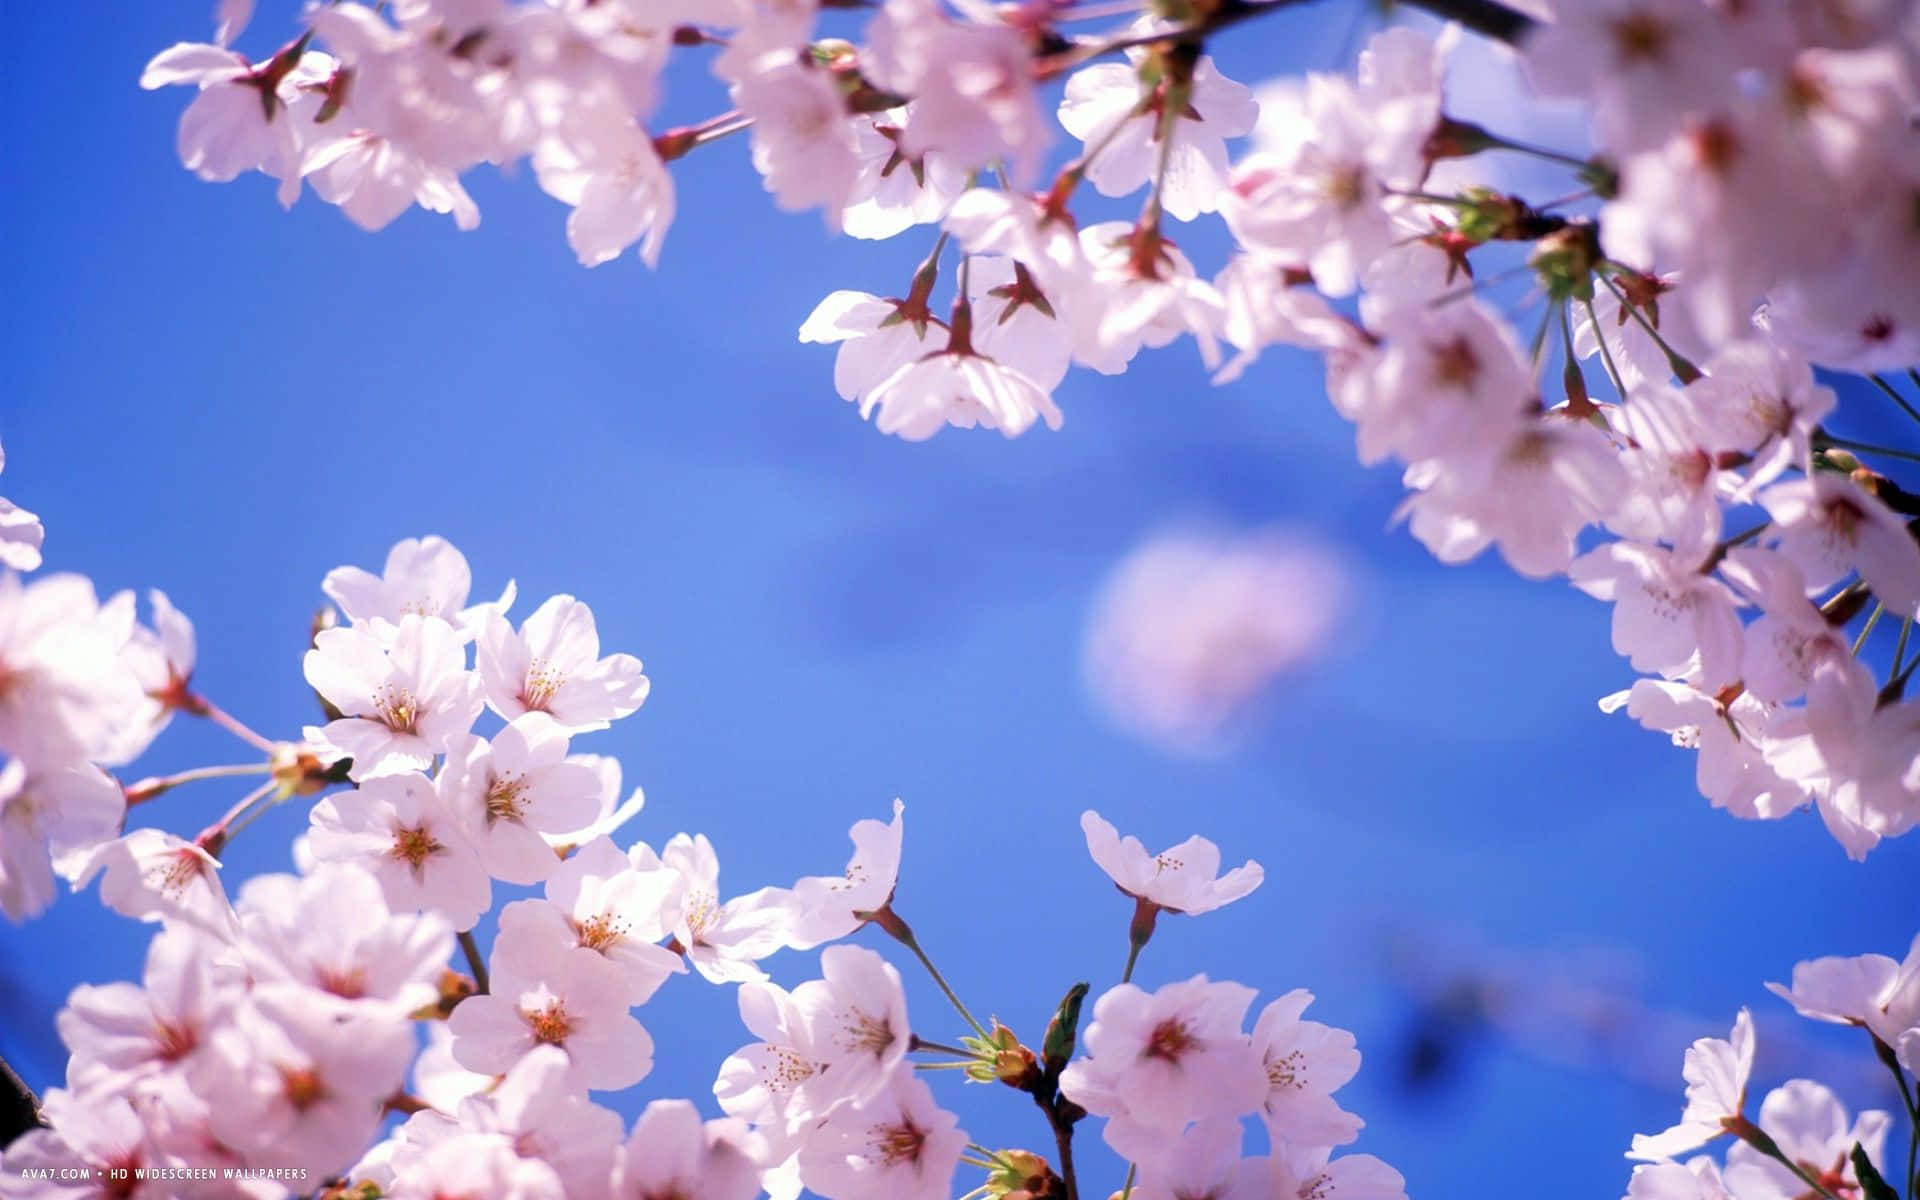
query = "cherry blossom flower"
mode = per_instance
[
  {"x": 610, "y": 907},
  {"x": 877, "y": 337},
  {"x": 803, "y": 136},
  {"x": 972, "y": 83},
  {"x": 1105, "y": 107},
  {"x": 1762, "y": 396},
  {"x": 120, "y": 1035},
  {"x": 773, "y": 1083},
  {"x": 1716, "y": 1071},
  {"x": 66, "y": 693},
  {"x": 829, "y": 907},
  {"x": 1138, "y": 290},
  {"x": 401, "y": 702},
  {"x": 898, "y": 1145},
  {"x": 1871, "y": 990},
  {"x": 96, "y": 1130},
  {"x": 1867, "y": 750},
  {"x": 1306, "y": 1062},
  {"x": 672, "y": 1153},
  {"x": 1200, "y": 1161},
  {"x": 612, "y": 177},
  {"x": 1642, "y": 62},
  {"x": 511, "y": 791},
  {"x": 1791, "y": 639},
  {"x": 1015, "y": 321},
  {"x": 248, "y": 116},
  {"x": 1666, "y": 614},
  {"x": 1317, "y": 195},
  {"x": 613, "y": 811},
  {"x": 1828, "y": 526},
  {"x": 1809, "y": 1125},
  {"x": 1732, "y": 739},
  {"x": 544, "y": 994},
  {"x": 475, "y": 1167},
  {"x": 51, "y": 821},
  {"x": 423, "y": 577},
  {"x": 152, "y": 875},
  {"x": 305, "y": 1081},
  {"x": 1308, "y": 1172},
  {"x": 1161, "y": 1059},
  {"x": 1530, "y": 494},
  {"x": 1182, "y": 879},
  {"x": 1698, "y": 1179},
  {"x": 535, "y": 1112},
  {"x": 400, "y": 830},
  {"x": 21, "y": 534},
  {"x": 958, "y": 387},
  {"x": 723, "y": 941},
  {"x": 553, "y": 665},
  {"x": 894, "y": 190},
  {"x": 332, "y": 930}
]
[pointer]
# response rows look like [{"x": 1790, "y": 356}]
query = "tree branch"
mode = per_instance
[
  {"x": 19, "y": 1107},
  {"x": 1489, "y": 18}
]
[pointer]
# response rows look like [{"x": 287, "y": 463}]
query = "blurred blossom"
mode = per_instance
[{"x": 1192, "y": 627}]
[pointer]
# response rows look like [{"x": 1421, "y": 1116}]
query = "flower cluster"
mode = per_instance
[
  {"x": 1744, "y": 214},
  {"x": 284, "y": 1026},
  {"x": 1803, "y": 1143}
]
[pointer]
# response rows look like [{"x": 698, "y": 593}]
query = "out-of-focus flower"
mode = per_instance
[{"x": 1191, "y": 628}]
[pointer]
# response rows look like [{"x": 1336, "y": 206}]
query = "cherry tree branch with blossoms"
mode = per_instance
[{"x": 1654, "y": 420}]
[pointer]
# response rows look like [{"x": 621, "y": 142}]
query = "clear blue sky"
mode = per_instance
[{"x": 202, "y": 393}]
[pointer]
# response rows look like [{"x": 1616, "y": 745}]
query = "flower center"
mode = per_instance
[
  {"x": 1455, "y": 363},
  {"x": 414, "y": 845},
  {"x": 1170, "y": 1041},
  {"x": 506, "y": 799},
  {"x": 348, "y": 983},
  {"x": 1640, "y": 36},
  {"x": 550, "y": 1025},
  {"x": 543, "y": 680},
  {"x": 600, "y": 931},
  {"x": 397, "y": 708},
  {"x": 302, "y": 1087},
  {"x": 863, "y": 1031},
  {"x": 174, "y": 1042},
  {"x": 897, "y": 1144}
]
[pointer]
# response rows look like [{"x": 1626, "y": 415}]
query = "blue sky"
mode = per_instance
[{"x": 202, "y": 393}]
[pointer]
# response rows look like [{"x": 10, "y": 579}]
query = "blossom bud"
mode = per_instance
[
  {"x": 1021, "y": 1175},
  {"x": 1062, "y": 1029},
  {"x": 1564, "y": 261},
  {"x": 1001, "y": 1057}
]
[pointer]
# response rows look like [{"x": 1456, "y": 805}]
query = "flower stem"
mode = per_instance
[
  {"x": 147, "y": 789},
  {"x": 916, "y": 1042},
  {"x": 1870, "y": 448},
  {"x": 1682, "y": 368},
  {"x": 901, "y": 932},
  {"x": 1883, "y": 385},
  {"x": 1488, "y": 18},
  {"x": 225, "y": 720},
  {"x": 475, "y": 962},
  {"x": 1873, "y": 619},
  {"x": 1606, "y": 355}
]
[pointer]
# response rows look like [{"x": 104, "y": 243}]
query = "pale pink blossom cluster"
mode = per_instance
[
  {"x": 1802, "y": 1142},
  {"x": 282, "y": 1029},
  {"x": 1192, "y": 628},
  {"x": 83, "y": 686},
  {"x": 1745, "y": 214}
]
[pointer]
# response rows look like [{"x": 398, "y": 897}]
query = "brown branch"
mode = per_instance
[
  {"x": 1489, "y": 18},
  {"x": 19, "y": 1107}
]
